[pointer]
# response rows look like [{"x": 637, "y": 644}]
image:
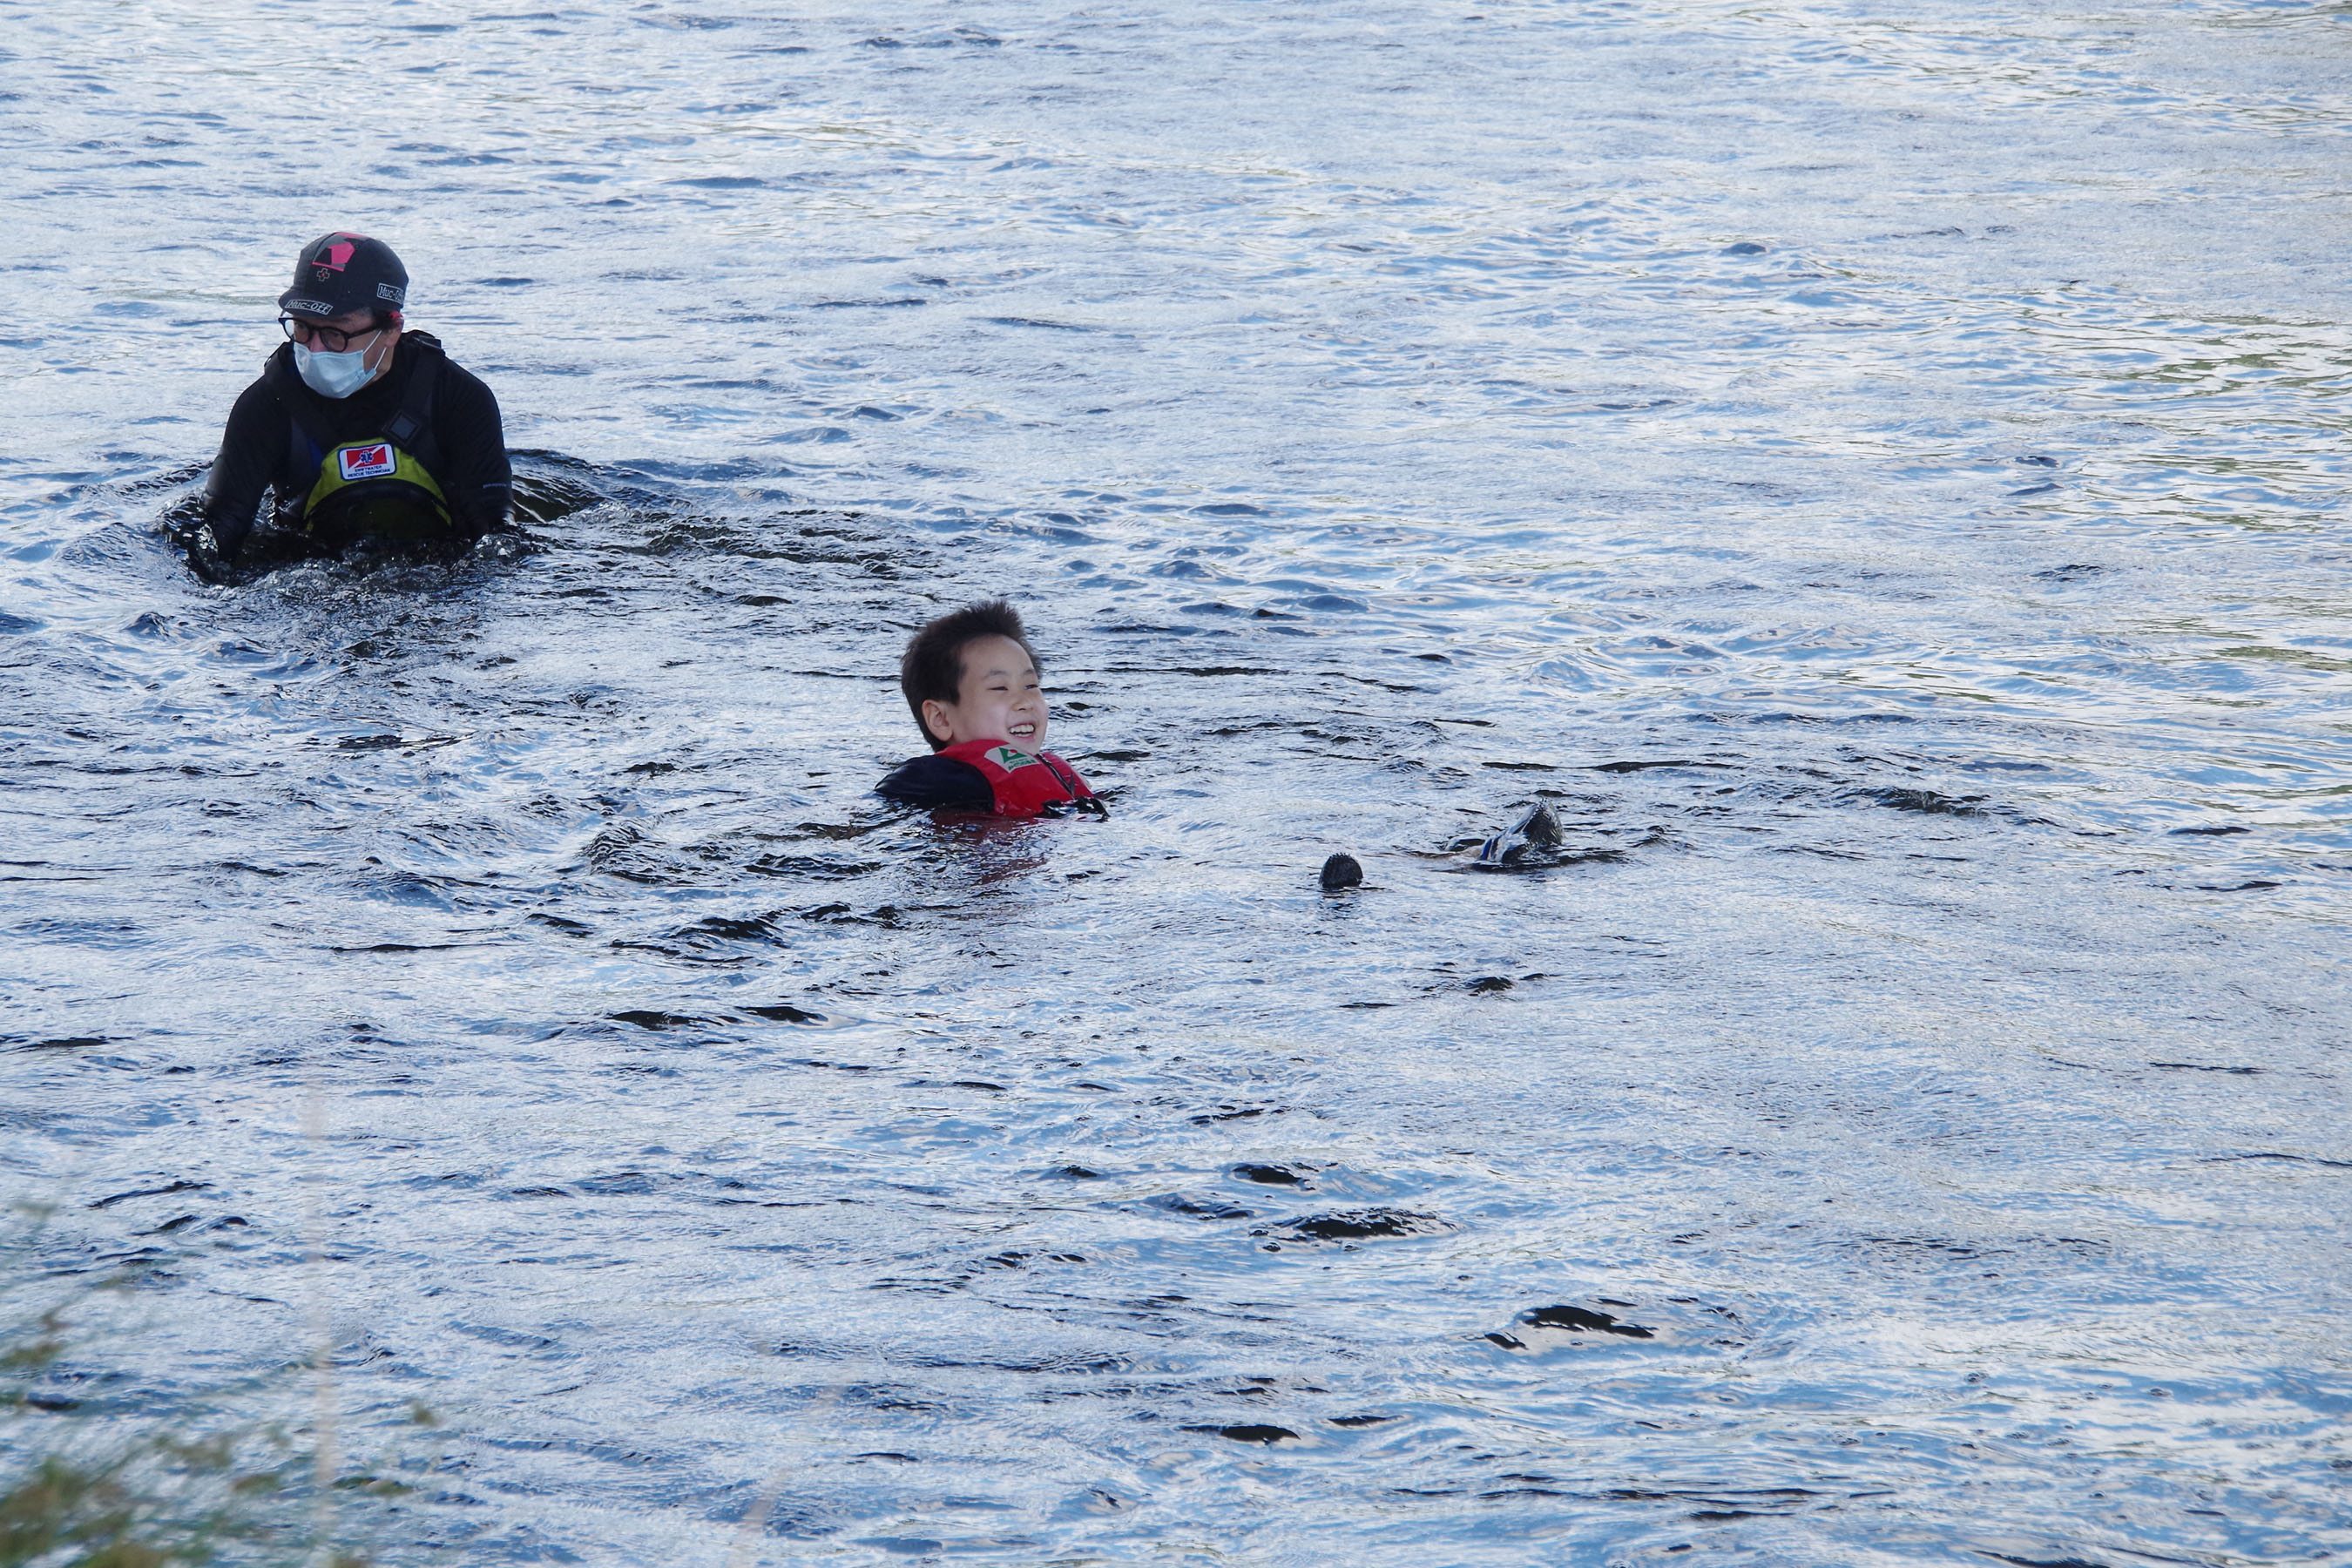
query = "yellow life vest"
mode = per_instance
[{"x": 376, "y": 486}]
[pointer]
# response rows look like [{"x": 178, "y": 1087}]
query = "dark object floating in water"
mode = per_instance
[
  {"x": 2037, "y": 460},
  {"x": 646, "y": 1020},
  {"x": 1267, "y": 1435},
  {"x": 1236, "y": 1113},
  {"x": 1341, "y": 871},
  {"x": 1363, "y": 1420},
  {"x": 67, "y": 1043},
  {"x": 1076, "y": 1173},
  {"x": 1486, "y": 982},
  {"x": 1580, "y": 1318},
  {"x": 1270, "y": 1176},
  {"x": 1537, "y": 832},
  {"x": 728, "y": 928},
  {"x": 400, "y": 947},
  {"x": 366, "y": 742},
  {"x": 1924, "y": 800},
  {"x": 2206, "y": 831},
  {"x": 784, "y": 1012},
  {"x": 1744, "y": 248},
  {"x": 1358, "y": 1224}
]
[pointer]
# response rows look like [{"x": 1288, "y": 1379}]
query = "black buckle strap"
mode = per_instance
[
  {"x": 415, "y": 416},
  {"x": 1079, "y": 799},
  {"x": 410, "y": 422}
]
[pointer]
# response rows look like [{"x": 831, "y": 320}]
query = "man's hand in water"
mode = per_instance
[
  {"x": 205, "y": 557},
  {"x": 503, "y": 542}
]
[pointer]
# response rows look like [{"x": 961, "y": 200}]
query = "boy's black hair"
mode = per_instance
[{"x": 932, "y": 669}]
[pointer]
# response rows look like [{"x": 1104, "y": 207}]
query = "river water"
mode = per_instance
[{"x": 1875, "y": 471}]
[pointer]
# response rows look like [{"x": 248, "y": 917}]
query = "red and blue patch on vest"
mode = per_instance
[{"x": 365, "y": 462}]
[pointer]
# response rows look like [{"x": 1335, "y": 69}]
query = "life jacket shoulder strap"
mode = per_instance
[
  {"x": 411, "y": 423},
  {"x": 413, "y": 420}
]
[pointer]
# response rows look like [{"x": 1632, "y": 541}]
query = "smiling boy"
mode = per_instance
[{"x": 970, "y": 680}]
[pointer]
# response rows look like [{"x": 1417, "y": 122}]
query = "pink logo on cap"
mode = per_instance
[{"x": 334, "y": 255}]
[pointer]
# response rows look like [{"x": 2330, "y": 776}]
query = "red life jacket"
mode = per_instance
[{"x": 1024, "y": 782}]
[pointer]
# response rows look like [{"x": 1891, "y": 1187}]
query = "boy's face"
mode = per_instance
[{"x": 999, "y": 699}]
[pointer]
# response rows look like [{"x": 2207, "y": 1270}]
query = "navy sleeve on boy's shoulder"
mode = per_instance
[{"x": 938, "y": 781}]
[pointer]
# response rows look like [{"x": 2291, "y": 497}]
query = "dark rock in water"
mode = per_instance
[
  {"x": 1270, "y": 1176},
  {"x": 1342, "y": 871},
  {"x": 1576, "y": 1318}
]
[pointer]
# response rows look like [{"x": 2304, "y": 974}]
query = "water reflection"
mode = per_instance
[{"x": 1832, "y": 463}]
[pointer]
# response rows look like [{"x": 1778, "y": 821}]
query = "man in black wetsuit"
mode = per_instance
[{"x": 361, "y": 431}]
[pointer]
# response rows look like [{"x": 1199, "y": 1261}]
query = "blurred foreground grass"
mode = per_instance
[{"x": 102, "y": 1482}]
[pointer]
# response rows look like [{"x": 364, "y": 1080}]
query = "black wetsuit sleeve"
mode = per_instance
[
  {"x": 252, "y": 450},
  {"x": 938, "y": 781},
  {"x": 478, "y": 477}
]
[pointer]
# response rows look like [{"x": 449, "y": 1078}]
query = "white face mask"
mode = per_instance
[{"x": 334, "y": 375}]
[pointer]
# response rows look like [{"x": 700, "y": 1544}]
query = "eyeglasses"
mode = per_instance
[{"x": 333, "y": 340}]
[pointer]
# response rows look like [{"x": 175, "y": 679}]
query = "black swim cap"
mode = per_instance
[{"x": 340, "y": 273}]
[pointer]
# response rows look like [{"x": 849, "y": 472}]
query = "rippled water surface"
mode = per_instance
[{"x": 1876, "y": 471}]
